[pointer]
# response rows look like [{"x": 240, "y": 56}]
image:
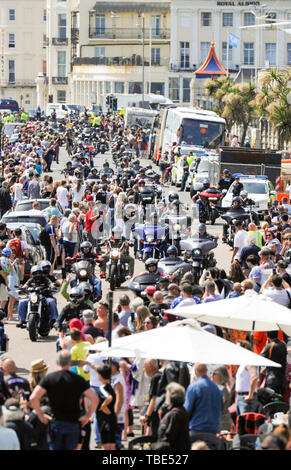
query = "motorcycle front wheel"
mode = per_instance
[
  {"x": 213, "y": 216},
  {"x": 112, "y": 281},
  {"x": 32, "y": 327}
]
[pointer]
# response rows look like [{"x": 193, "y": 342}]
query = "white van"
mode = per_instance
[{"x": 62, "y": 110}]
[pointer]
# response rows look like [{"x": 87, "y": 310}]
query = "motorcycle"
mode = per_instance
[
  {"x": 177, "y": 224},
  {"x": 199, "y": 250},
  {"x": 229, "y": 217},
  {"x": 102, "y": 146},
  {"x": 175, "y": 268},
  {"x": 84, "y": 271},
  {"x": 140, "y": 282},
  {"x": 38, "y": 315},
  {"x": 147, "y": 196},
  {"x": 151, "y": 241},
  {"x": 117, "y": 271},
  {"x": 208, "y": 208}
]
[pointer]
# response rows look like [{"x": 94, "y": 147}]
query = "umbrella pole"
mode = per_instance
[
  {"x": 252, "y": 335},
  {"x": 110, "y": 319}
]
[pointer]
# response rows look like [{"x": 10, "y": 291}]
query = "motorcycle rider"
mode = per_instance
[
  {"x": 237, "y": 187},
  {"x": 87, "y": 254},
  {"x": 38, "y": 279},
  {"x": 74, "y": 309},
  {"x": 159, "y": 233},
  {"x": 226, "y": 180},
  {"x": 116, "y": 241}
]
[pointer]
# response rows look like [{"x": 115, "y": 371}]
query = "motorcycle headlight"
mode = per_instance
[
  {"x": 115, "y": 253},
  {"x": 33, "y": 298},
  {"x": 177, "y": 227},
  {"x": 149, "y": 238},
  {"x": 197, "y": 252},
  {"x": 83, "y": 273}
]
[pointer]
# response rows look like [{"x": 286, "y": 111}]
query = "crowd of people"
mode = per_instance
[{"x": 89, "y": 397}]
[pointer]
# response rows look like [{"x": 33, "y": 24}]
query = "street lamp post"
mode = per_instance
[{"x": 143, "y": 33}]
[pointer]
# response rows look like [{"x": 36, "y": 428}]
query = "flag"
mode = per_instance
[{"x": 233, "y": 40}]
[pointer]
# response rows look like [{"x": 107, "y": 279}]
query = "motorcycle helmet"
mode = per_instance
[
  {"x": 202, "y": 228},
  {"x": 243, "y": 194},
  {"x": 117, "y": 232},
  {"x": 172, "y": 250},
  {"x": 151, "y": 262},
  {"x": 173, "y": 196},
  {"x": 206, "y": 183},
  {"x": 76, "y": 295},
  {"x": 87, "y": 289},
  {"x": 86, "y": 247},
  {"x": 45, "y": 266},
  {"x": 237, "y": 199},
  {"x": 36, "y": 270},
  {"x": 226, "y": 172},
  {"x": 6, "y": 252}
]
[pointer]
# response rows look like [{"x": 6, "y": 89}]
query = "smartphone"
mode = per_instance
[
  {"x": 207, "y": 274},
  {"x": 274, "y": 271}
]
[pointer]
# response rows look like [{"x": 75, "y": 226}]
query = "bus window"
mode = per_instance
[{"x": 202, "y": 133}]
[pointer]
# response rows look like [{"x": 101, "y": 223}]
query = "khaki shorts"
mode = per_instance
[{"x": 3, "y": 293}]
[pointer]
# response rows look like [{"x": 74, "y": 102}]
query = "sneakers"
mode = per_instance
[{"x": 21, "y": 324}]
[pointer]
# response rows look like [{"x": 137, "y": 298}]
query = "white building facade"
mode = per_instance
[{"x": 22, "y": 49}]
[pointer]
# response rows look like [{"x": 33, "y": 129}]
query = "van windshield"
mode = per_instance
[{"x": 206, "y": 134}]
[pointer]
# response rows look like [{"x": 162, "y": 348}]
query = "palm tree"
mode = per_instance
[{"x": 272, "y": 103}]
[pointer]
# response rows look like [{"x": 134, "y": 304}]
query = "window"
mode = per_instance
[
  {"x": 227, "y": 19},
  {"x": 11, "y": 42},
  {"x": 289, "y": 53},
  {"x": 135, "y": 87},
  {"x": 186, "y": 90},
  {"x": 157, "y": 87},
  {"x": 174, "y": 91},
  {"x": 184, "y": 55},
  {"x": 11, "y": 66},
  {"x": 156, "y": 56},
  {"x": 118, "y": 87},
  {"x": 61, "y": 96},
  {"x": 206, "y": 18},
  {"x": 100, "y": 54},
  {"x": 156, "y": 25},
  {"x": 249, "y": 53},
  {"x": 271, "y": 53},
  {"x": 204, "y": 49},
  {"x": 62, "y": 64},
  {"x": 11, "y": 15},
  {"x": 100, "y": 25},
  {"x": 62, "y": 26},
  {"x": 249, "y": 19},
  {"x": 107, "y": 87},
  {"x": 224, "y": 53}
]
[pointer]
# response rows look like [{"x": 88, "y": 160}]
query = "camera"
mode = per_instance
[{"x": 26, "y": 395}]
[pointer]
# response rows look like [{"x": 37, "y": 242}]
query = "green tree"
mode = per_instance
[{"x": 272, "y": 101}]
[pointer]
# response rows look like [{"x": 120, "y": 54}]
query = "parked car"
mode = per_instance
[
  {"x": 24, "y": 217},
  {"x": 26, "y": 205},
  {"x": 36, "y": 252}
]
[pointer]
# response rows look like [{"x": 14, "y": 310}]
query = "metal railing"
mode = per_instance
[
  {"x": 60, "y": 41},
  {"x": 59, "y": 80},
  {"x": 134, "y": 61},
  {"x": 128, "y": 33}
]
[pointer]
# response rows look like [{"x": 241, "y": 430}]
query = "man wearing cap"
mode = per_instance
[
  {"x": 89, "y": 328},
  {"x": 64, "y": 390}
]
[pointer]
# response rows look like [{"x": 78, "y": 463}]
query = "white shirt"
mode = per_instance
[
  {"x": 78, "y": 195},
  {"x": 8, "y": 439},
  {"x": 240, "y": 240},
  {"x": 115, "y": 379},
  {"x": 97, "y": 360},
  {"x": 62, "y": 196},
  {"x": 278, "y": 295}
]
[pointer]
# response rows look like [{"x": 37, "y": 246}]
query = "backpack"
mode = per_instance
[
  {"x": 15, "y": 244},
  {"x": 44, "y": 237}
]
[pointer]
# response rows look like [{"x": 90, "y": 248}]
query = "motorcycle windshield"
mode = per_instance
[{"x": 154, "y": 231}]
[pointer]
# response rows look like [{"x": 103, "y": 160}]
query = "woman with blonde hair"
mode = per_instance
[{"x": 142, "y": 312}]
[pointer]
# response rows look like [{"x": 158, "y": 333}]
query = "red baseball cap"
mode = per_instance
[
  {"x": 150, "y": 290},
  {"x": 90, "y": 197}
]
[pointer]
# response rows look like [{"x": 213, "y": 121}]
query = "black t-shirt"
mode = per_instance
[
  {"x": 64, "y": 390},
  {"x": 154, "y": 385},
  {"x": 104, "y": 391}
]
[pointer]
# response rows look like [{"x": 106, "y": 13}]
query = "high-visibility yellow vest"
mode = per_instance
[{"x": 258, "y": 237}]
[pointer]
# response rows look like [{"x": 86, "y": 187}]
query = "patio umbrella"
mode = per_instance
[
  {"x": 249, "y": 312},
  {"x": 185, "y": 341}
]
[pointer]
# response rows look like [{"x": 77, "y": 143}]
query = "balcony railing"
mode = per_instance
[
  {"x": 128, "y": 33},
  {"x": 60, "y": 41},
  {"x": 59, "y": 80},
  {"x": 12, "y": 82},
  {"x": 134, "y": 61}
]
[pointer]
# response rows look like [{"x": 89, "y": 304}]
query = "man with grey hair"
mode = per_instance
[{"x": 64, "y": 390}]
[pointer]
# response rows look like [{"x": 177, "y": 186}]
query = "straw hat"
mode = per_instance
[{"x": 38, "y": 365}]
